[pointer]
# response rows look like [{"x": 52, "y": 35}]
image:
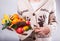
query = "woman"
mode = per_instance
[{"x": 41, "y": 14}]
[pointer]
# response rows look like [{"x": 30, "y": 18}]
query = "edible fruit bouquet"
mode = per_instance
[{"x": 15, "y": 22}]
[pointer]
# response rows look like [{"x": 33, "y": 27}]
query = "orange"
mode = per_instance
[
  {"x": 15, "y": 21},
  {"x": 20, "y": 20},
  {"x": 15, "y": 16}
]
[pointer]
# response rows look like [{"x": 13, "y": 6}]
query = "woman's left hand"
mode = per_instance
[{"x": 44, "y": 30}]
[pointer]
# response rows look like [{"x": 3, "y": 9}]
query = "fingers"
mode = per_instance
[
  {"x": 37, "y": 30},
  {"x": 42, "y": 30}
]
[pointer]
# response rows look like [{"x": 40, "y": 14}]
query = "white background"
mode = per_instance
[{"x": 10, "y": 7}]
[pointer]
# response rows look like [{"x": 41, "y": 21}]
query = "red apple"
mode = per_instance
[
  {"x": 28, "y": 22},
  {"x": 19, "y": 30}
]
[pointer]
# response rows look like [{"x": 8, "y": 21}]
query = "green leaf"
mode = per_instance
[
  {"x": 8, "y": 23},
  {"x": 14, "y": 26},
  {"x": 5, "y": 26},
  {"x": 5, "y": 21}
]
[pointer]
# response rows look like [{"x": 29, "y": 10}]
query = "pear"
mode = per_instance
[{"x": 6, "y": 17}]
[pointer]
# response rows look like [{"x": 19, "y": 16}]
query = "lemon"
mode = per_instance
[
  {"x": 3, "y": 21},
  {"x": 25, "y": 28}
]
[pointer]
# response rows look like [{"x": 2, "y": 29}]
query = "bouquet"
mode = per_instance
[{"x": 15, "y": 22}]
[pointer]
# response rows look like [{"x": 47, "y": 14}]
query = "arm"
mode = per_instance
[
  {"x": 52, "y": 18},
  {"x": 50, "y": 28}
]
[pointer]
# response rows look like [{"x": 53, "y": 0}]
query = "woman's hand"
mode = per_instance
[
  {"x": 42, "y": 30},
  {"x": 36, "y": 30}
]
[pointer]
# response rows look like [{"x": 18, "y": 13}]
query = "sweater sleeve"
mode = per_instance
[{"x": 52, "y": 17}]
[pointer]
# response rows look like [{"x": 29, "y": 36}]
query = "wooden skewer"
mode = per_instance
[{"x": 10, "y": 25}]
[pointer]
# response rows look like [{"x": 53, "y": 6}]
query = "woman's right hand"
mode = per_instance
[{"x": 37, "y": 30}]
